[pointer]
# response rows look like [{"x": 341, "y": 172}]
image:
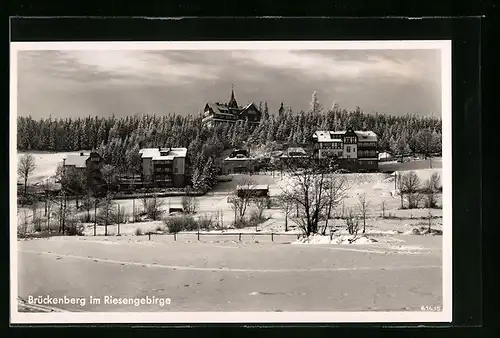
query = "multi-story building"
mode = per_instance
[
  {"x": 216, "y": 113},
  {"x": 355, "y": 150},
  {"x": 90, "y": 164},
  {"x": 164, "y": 166}
]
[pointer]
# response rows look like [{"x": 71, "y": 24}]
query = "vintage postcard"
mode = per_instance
[{"x": 230, "y": 182}]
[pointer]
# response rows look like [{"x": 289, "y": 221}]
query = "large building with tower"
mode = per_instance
[{"x": 216, "y": 113}]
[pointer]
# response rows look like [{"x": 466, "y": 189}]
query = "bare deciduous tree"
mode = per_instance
[
  {"x": 336, "y": 188},
  {"x": 107, "y": 209},
  {"x": 409, "y": 186},
  {"x": 432, "y": 186},
  {"x": 363, "y": 206},
  {"x": 25, "y": 168},
  {"x": 287, "y": 205},
  {"x": 261, "y": 204},
  {"x": 383, "y": 204},
  {"x": 47, "y": 186},
  {"x": 88, "y": 203},
  {"x": 351, "y": 222},
  {"x": 153, "y": 207},
  {"x": 189, "y": 202},
  {"x": 241, "y": 197},
  {"x": 108, "y": 174},
  {"x": 307, "y": 188}
]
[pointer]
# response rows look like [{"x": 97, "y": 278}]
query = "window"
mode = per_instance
[{"x": 348, "y": 149}]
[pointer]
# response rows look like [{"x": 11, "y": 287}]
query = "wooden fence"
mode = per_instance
[{"x": 240, "y": 235}]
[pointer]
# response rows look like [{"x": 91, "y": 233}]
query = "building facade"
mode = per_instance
[
  {"x": 90, "y": 164},
  {"x": 239, "y": 161},
  {"x": 355, "y": 150},
  {"x": 165, "y": 167},
  {"x": 216, "y": 113}
]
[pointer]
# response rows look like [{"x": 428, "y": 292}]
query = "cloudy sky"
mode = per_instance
[{"x": 126, "y": 82}]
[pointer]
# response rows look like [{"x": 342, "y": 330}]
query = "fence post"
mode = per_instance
[
  {"x": 272, "y": 237},
  {"x": 118, "y": 218},
  {"x": 198, "y": 234},
  {"x": 149, "y": 235},
  {"x": 175, "y": 236},
  {"x": 239, "y": 237}
]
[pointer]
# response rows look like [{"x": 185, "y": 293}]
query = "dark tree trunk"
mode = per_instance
[{"x": 25, "y": 185}]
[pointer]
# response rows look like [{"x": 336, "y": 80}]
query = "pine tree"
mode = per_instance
[
  {"x": 101, "y": 132},
  {"x": 315, "y": 107}
]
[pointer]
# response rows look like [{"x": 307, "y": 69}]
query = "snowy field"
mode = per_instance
[
  {"x": 387, "y": 269},
  {"x": 222, "y": 274},
  {"x": 46, "y": 164},
  {"x": 377, "y": 187}
]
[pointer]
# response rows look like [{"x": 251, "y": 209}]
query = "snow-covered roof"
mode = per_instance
[
  {"x": 155, "y": 153},
  {"x": 237, "y": 158},
  {"x": 79, "y": 161},
  {"x": 219, "y": 108},
  {"x": 253, "y": 187},
  {"x": 333, "y": 136},
  {"x": 366, "y": 136},
  {"x": 328, "y": 136},
  {"x": 296, "y": 150},
  {"x": 163, "y": 158}
]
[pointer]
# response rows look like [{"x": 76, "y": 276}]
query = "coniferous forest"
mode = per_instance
[{"x": 118, "y": 139}]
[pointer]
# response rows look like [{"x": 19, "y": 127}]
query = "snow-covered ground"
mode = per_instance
[
  {"x": 219, "y": 274},
  {"x": 384, "y": 269},
  {"x": 46, "y": 164},
  {"x": 378, "y": 188}
]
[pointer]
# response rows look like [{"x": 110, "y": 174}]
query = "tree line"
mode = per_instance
[{"x": 119, "y": 139}]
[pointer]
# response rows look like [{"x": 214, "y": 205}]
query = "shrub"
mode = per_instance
[
  {"x": 241, "y": 223},
  {"x": 352, "y": 223},
  {"x": 256, "y": 218},
  {"x": 114, "y": 217},
  {"x": 26, "y": 199},
  {"x": 138, "y": 232},
  {"x": 73, "y": 227},
  {"x": 206, "y": 223},
  {"x": 189, "y": 202},
  {"x": 414, "y": 199},
  {"x": 180, "y": 223},
  {"x": 152, "y": 207}
]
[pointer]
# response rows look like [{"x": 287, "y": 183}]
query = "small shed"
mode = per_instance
[{"x": 260, "y": 190}]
